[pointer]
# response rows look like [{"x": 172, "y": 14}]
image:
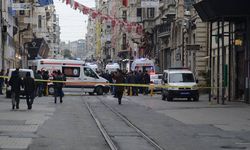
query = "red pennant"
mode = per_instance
[
  {"x": 125, "y": 3},
  {"x": 67, "y": 2},
  {"x": 113, "y": 23},
  {"x": 94, "y": 14},
  {"x": 76, "y": 5},
  {"x": 85, "y": 10},
  {"x": 103, "y": 18}
]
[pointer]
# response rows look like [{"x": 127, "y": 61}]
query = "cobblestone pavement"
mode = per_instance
[{"x": 18, "y": 127}]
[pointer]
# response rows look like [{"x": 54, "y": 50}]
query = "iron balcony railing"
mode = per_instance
[{"x": 164, "y": 29}]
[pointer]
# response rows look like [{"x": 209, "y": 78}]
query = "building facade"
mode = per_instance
[{"x": 27, "y": 32}]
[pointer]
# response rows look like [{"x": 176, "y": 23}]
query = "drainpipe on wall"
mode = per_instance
[
  {"x": 1, "y": 38},
  {"x": 247, "y": 91}
]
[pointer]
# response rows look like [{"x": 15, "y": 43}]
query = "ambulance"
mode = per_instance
[
  {"x": 78, "y": 75},
  {"x": 112, "y": 67},
  {"x": 143, "y": 64}
]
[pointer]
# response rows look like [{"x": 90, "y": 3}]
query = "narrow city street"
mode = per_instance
[{"x": 141, "y": 123}]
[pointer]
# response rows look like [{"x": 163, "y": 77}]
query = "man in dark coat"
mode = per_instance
[
  {"x": 29, "y": 88},
  {"x": 58, "y": 92},
  {"x": 15, "y": 83},
  {"x": 119, "y": 89},
  {"x": 146, "y": 80},
  {"x": 1, "y": 82}
]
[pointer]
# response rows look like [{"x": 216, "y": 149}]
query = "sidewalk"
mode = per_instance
[
  {"x": 18, "y": 127},
  {"x": 233, "y": 116}
]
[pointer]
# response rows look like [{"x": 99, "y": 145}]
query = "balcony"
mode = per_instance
[{"x": 164, "y": 29}]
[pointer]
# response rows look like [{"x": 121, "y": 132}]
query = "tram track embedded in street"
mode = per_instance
[{"x": 113, "y": 144}]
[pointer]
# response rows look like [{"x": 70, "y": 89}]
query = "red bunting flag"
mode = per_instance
[
  {"x": 85, "y": 10},
  {"x": 94, "y": 14},
  {"x": 113, "y": 22},
  {"x": 103, "y": 18},
  {"x": 125, "y": 3},
  {"x": 67, "y": 2},
  {"x": 76, "y": 5}
]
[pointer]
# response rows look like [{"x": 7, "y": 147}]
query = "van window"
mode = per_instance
[
  {"x": 90, "y": 73},
  {"x": 71, "y": 71},
  {"x": 181, "y": 77}
]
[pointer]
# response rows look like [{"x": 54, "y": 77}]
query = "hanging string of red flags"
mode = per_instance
[{"x": 129, "y": 26}]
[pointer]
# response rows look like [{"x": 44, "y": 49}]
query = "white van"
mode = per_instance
[
  {"x": 77, "y": 75},
  {"x": 183, "y": 82},
  {"x": 22, "y": 74},
  {"x": 112, "y": 67},
  {"x": 93, "y": 66},
  {"x": 143, "y": 64}
]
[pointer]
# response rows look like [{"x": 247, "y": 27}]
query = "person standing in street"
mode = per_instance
[
  {"x": 45, "y": 84},
  {"x": 29, "y": 88},
  {"x": 146, "y": 80},
  {"x": 1, "y": 82},
  {"x": 15, "y": 83},
  {"x": 119, "y": 89},
  {"x": 39, "y": 84},
  {"x": 58, "y": 92}
]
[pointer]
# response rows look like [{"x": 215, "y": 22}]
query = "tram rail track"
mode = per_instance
[{"x": 105, "y": 134}]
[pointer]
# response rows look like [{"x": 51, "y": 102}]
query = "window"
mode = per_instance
[
  {"x": 21, "y": 12},
  {"x": 124, "y": 15},
  {"x": 138, "y": 12},
  {"x": 71, "y": 71},
  {"x": 124, "y": 41},
  {"x": 90, "y": 73},
  {"x": 39, "y": 21},
  {"x": 181, "y": 77},
  {"x": 150, "y": 12}
]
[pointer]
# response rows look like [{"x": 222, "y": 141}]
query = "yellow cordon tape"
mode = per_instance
[{"x": 151, "y": 86}]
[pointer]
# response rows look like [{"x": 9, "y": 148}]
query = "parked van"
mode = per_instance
[
  {"x": 143, "y": 64},
  {"x": 112, "y": 67},
  {"x": 183, "y": 82},
  {"x": 76, "y": 73},
  {"x": 22, "y": 74}
]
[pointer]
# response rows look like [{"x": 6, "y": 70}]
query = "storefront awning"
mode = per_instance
[{"x": 212, "y": 10}]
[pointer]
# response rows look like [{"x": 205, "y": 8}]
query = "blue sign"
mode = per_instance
[{"x": 45, "y": 2}]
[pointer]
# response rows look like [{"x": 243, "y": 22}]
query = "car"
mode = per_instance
[
  {"x": 180, "y": 83},
  {"x": 156, "y": 80},
  {"x": 22, "y": 74}
]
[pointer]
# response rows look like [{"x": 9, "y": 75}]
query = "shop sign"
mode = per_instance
[{"x": 21, "y": 6}]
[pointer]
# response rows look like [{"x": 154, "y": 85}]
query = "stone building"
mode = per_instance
[{"x": 229, "y": 52}]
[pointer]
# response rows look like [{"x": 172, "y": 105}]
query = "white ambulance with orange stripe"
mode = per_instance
[{"x": 78, "y": 75}]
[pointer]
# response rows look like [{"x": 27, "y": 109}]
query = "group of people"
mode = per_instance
[
  {"x": 33, "y": 86},
  {"x": 133, "y": 77},
  {"x": 16, "y": 82}
]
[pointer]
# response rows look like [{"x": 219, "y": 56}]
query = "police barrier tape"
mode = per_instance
[{"x": 72, "y": 83}]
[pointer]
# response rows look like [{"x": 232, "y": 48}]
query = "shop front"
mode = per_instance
[{"x": 229, "y": 48}]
